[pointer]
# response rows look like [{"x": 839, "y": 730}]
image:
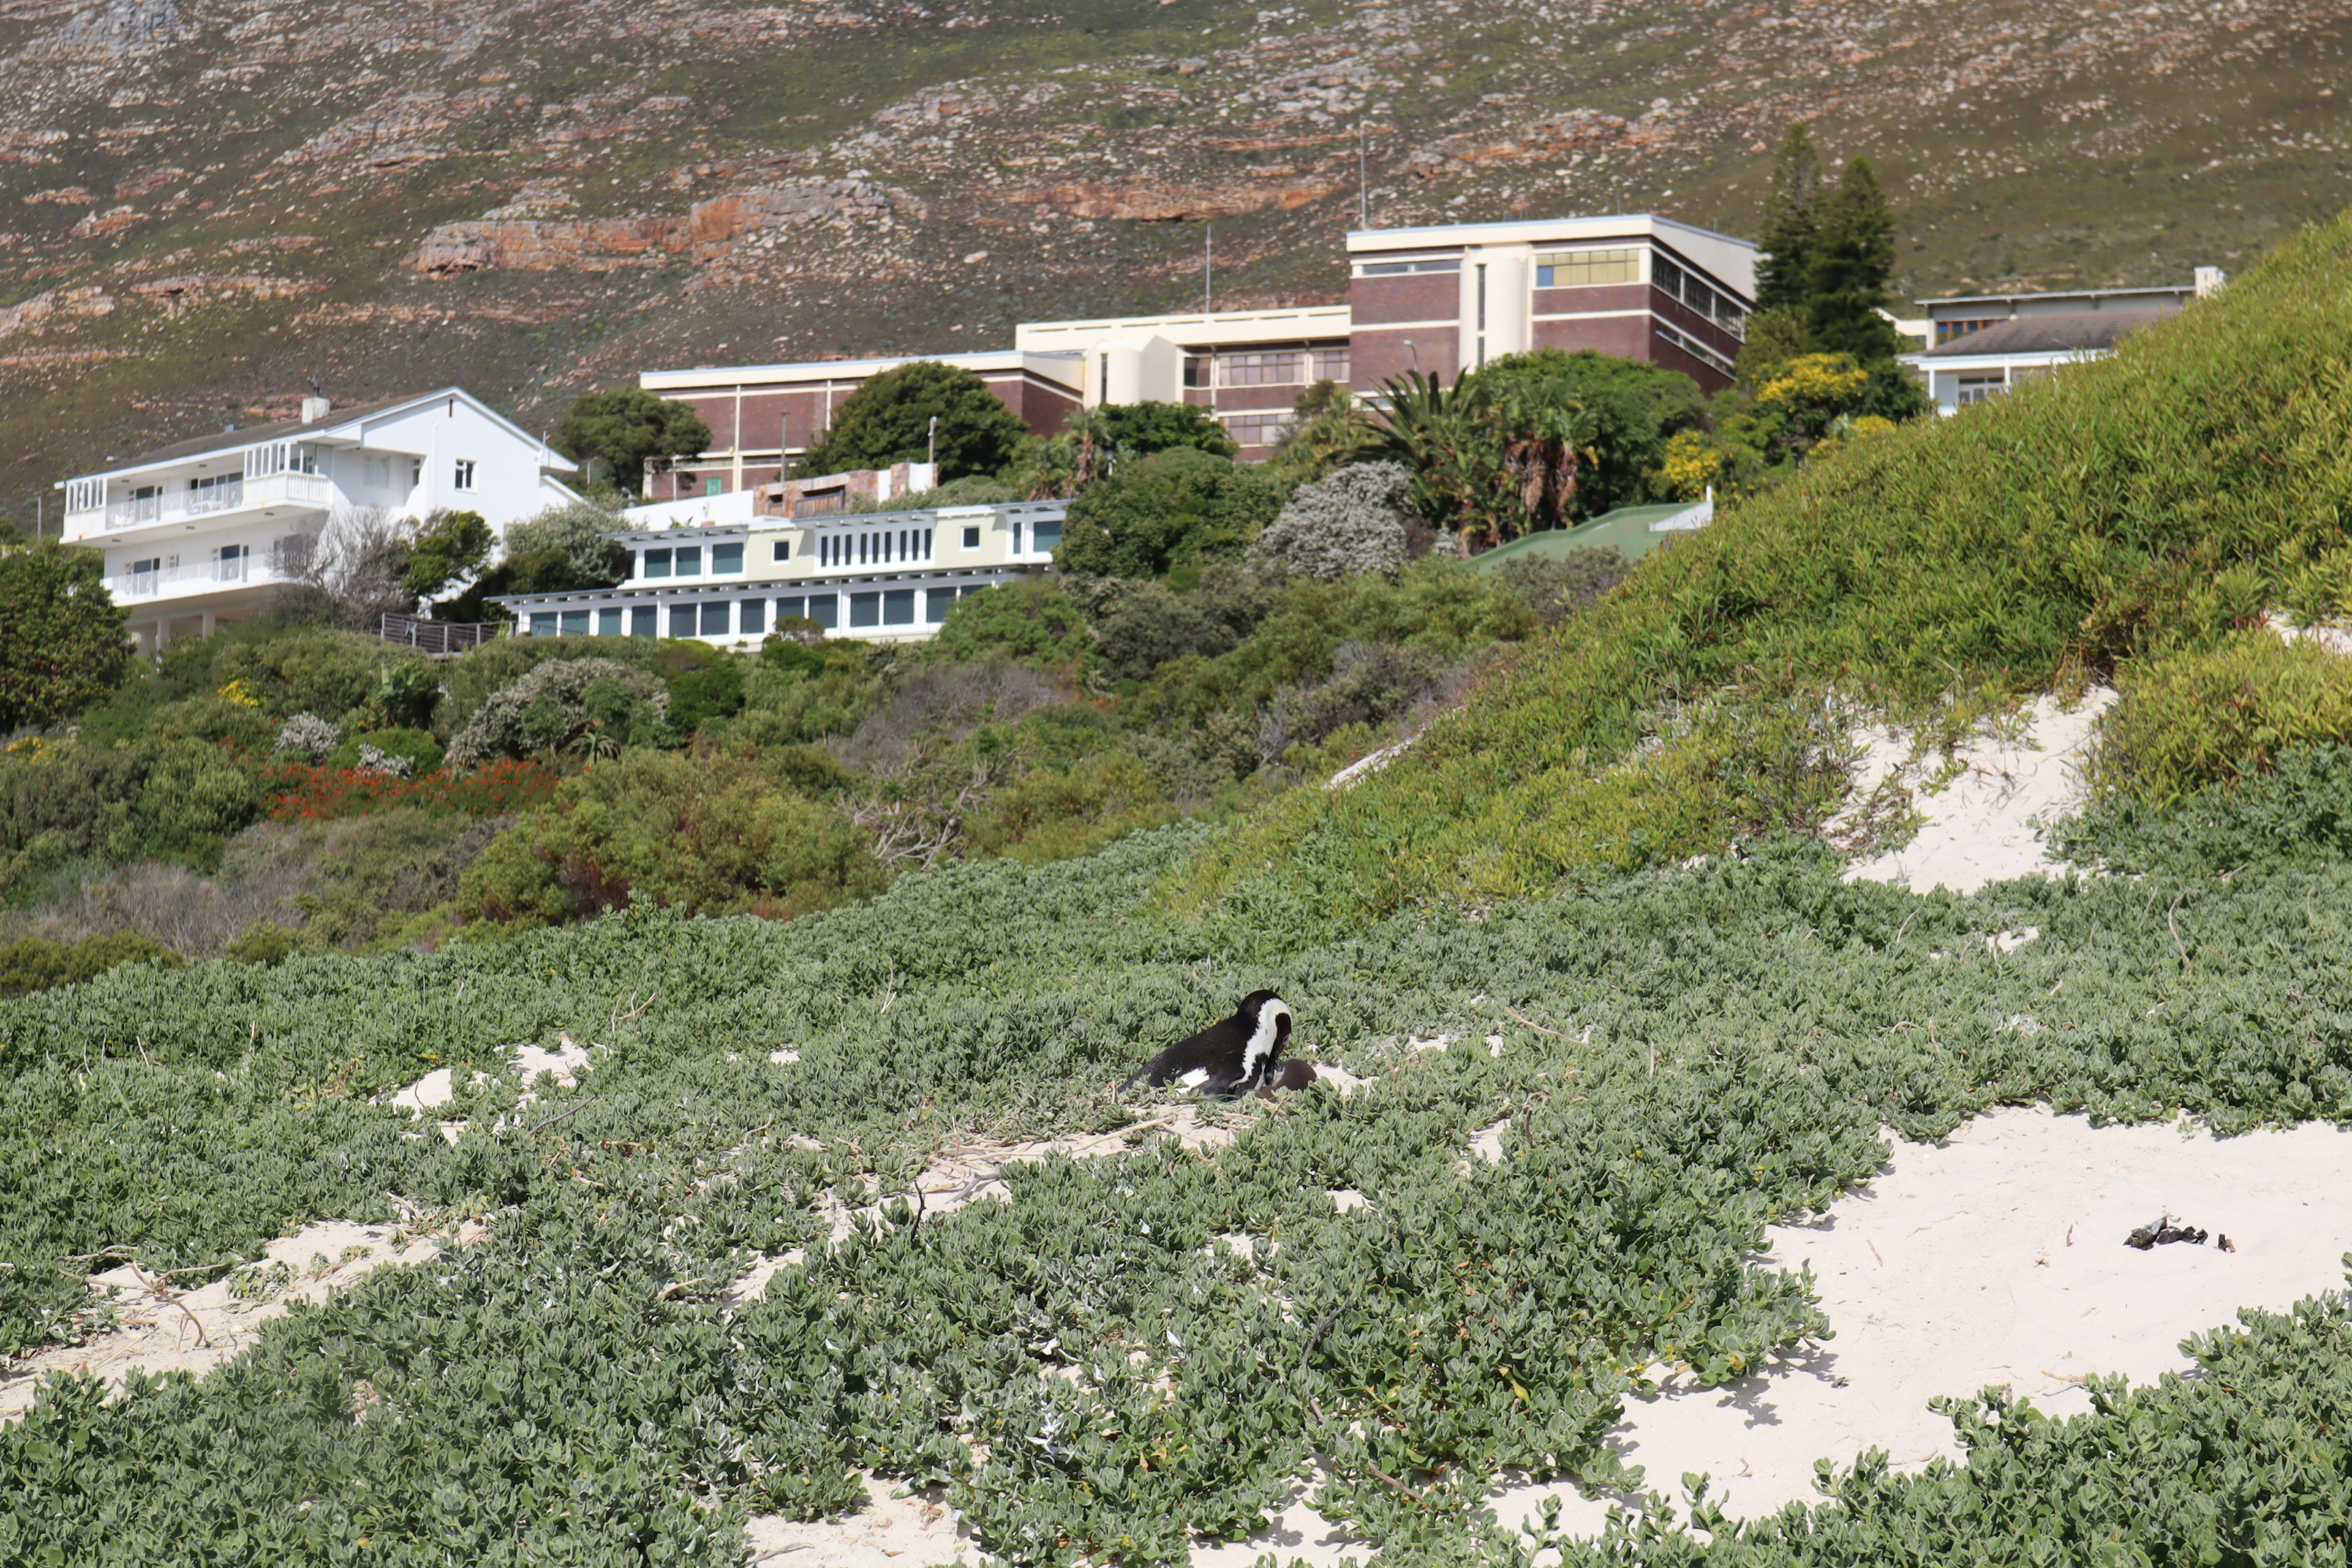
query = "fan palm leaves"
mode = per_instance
[{"x": 1489, "y": 464}]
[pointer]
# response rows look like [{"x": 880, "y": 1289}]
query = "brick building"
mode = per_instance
[
  {"x": 1449, "y": 298},
  {"x": 1445, "y": 299}
]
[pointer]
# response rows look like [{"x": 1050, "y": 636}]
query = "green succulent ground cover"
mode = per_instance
[{"x": 1094, "y": 1370}]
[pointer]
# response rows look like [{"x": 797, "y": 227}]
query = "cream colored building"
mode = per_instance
[{"x": 881, "y": 575}]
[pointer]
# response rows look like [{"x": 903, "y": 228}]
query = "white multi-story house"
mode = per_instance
[
  {"x": 199, "y": 532},
  {"x": 884, "y": 575}
]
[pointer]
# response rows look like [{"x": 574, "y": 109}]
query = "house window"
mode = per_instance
[
  {"x": 464, "y": 478},
  {"x": 1262, "y": 369},
  {"x": 1016, "y": 536},
  {"x": 725, "y": 560},
  {"x": 1259, "y": 430},
  {"x": 416, "y": 471},
  {"x": 825, "y": 609},
  {"x": 689, "y": 561},
  {"x": 1331, "y": 364},
  {"x": 228, "y": 563},
  {"x": 645, "y": 620},
  {"x": 608, "y": 622},
  {"x": 681, "y": 620},
  {"x": 656, "y": 563},
  {"x": 899, "y": 607},
  {"x": 1975, "y": 386},
  {"x": 142, "y": 574},
  {"x": 575, "y": 623},
  {"x": 1948, "y": 331},
  {"x": 754, "y": 618},
  {"x": 937, "y": 604},
  {"x": 1397, "y": 268},
  {"x": 1583, "y": 268},
  {"x": 971, "y": 537},
  {"x": 376, "y": 471},
  {"x": 1197, "y": 369},
  {"x": 542, "y": 623},
  {"x": 815, "y": 503},
  {"x": 714, "y": 619},
  {"x": 710, "y": 487},
  {"x": 782, "y": 549},
  {"x": 865, "y": 610},
  {"x": 1046, "y": 533}
]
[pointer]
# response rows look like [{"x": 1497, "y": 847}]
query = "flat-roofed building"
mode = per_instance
[
  {"x": 761, "y": 415},
  {"x": 1246, "y": 367},
  {"x": 1449, "y": 298},
  {"x": 890, "y": 576},
  {"x": 1445, "y": 299}
]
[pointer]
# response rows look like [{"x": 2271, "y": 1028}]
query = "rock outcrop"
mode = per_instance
[{"x": 704, "y": 231}]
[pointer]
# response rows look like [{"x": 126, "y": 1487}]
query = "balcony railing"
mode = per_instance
[
  {"x": 305, "y": 491},
  {"x": 173, "y": 582}
]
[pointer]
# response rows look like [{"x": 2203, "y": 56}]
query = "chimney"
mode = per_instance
[
  {"x": 314, "y": 409},
  {"x": 2209, "y": 281}
]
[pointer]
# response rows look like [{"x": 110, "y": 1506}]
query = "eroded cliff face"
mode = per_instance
[{"x": 203, "y": 202}]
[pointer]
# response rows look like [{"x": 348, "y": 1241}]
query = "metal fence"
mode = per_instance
[{"x": 439, "y": 639}]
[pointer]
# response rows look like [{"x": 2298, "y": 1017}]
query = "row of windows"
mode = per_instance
[
  {"x": 1693, "y": 347},
  {"x": 1267, "y": 367},
  {"x": 882, "y": 547},
  {"x": 749, "y": 617},
  {"x": 1398, "y": 269},
  {"x": 1700, "y": 296},
  {"x": 1946, "y": 331},
  {"x": 685, "y": 561},
  {"x": 1260, "y": 430},
  {"x": 1582, "y": 268}
]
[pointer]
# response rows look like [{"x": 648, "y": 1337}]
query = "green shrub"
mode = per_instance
[
  {"x": 35, "y": 963},
  {"x": 341, "y": 677},
  {"x": 193, "y": 796},
  {"x": 591, "y": 705},
  {"x": 1053, "y": 813},
  {"x": 2299, "y": 813},
  {"x": 2219, "y": 715},
  {"x": 720, "y": 832},
  {"x": 62, "y": 647},
  {"x": 1035, "y": 621},
  {"x": 1182, "y": 506},
  {"x": 266, "y": 944},
  {"x": 702, "y": 695},
  {"x": 422, "y": 752}
]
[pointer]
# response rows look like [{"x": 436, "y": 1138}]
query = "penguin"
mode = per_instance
[{"x": 1227, "y": 1058}]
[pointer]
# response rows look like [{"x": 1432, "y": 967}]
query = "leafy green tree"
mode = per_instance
[
  {"x": 625, "y": 428},
  {"x": 449, "y": 546},
  {"x": 62, "y": 647},
  {"x": 1630, "y": 410},
  {"x": 1784, "y": 276},
  {"x": 1130, "y": 430},
  {"x": 566, "y": 547},
  {"x": 1774, "y": 338},
  {"x": 889, "y": 420},
  {"x": 1852, "y": 266},
  {"x": 1180, "y": 507}
]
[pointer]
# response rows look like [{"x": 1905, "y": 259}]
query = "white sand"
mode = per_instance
[
  {"x": 1953, "y": 1272},
  {"x": 889, "y": 1532},
  {"x": 195, "y": 1330},
  {"x": 1989, "y": 822}
]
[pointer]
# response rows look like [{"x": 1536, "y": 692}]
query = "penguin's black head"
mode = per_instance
[{"x": 1266, "y": 1018}]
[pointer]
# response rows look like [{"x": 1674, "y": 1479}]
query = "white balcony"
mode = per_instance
[
  {"x": 192, "y": 583},
  {"x": 233, "y": 499}
]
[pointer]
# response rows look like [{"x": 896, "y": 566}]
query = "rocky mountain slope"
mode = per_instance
[{"x": 203, "y": 202}]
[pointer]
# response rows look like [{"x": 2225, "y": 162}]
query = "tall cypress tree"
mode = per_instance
[
  {"x": 1852, "y": 263},
  {"x": 1792, "y": 220}
]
